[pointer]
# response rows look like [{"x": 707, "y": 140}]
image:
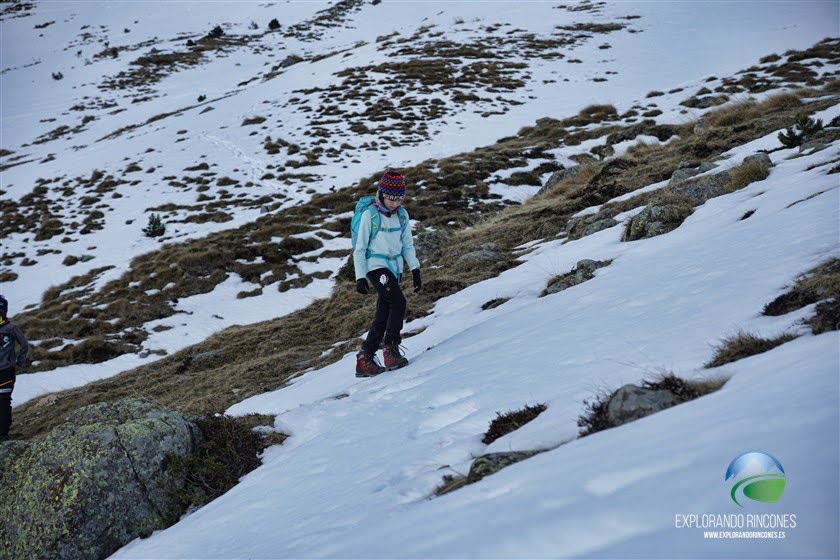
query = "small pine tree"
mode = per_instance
[
  {"x": 155, "y": 227},
  {"x": 274, "y": 24},
  {"x": 217, "y": 32},
  {"x": 802, "y": 130}
]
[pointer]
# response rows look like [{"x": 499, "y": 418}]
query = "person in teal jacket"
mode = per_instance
[{"x": 379, "y": 260}]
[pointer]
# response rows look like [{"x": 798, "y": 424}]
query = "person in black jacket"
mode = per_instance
[{"x": 10, "y": 360}]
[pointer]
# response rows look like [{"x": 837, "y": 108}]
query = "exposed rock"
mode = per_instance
[
  {"x": 593, "y": 223},
  {"x": 426, "y": 243},
  {"x": 761, "y": 158},
  {"x": 98, "y": 481},
  {"x": 632, "y": 402},
  {"x": 684, "y": 172},
  {"x": 584, "y": 270},
  {"x": 558, "y": 177},
  {"x": 657, "y": 219},
  {"x": 701, "y": 189},
  {"x": 10, "y": 451},
  {"x": 483, "y": 253},
  {"x": 291, "y": 60},
  {"x": 494, "y": 462},
  {"x": 598, "y": 225}
]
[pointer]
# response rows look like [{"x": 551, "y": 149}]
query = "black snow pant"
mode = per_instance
[
  {"x": 390, "y": 310},
  {"x": 7, "y": 385}
]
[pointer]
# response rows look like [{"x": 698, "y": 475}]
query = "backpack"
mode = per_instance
[{"x": 375, "y": 220}]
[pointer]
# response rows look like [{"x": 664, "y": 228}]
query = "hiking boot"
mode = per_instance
[
  {"x": 367, "y": 365},
  {"x": 393, "y": 356}
]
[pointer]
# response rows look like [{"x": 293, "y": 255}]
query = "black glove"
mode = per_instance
[
  {"x": 418, "y": 284},
  {"x": 362, "y": 286}
]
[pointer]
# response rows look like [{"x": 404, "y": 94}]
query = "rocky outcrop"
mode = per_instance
[
  {"x": 98, "y": 481},
  {"x": 657, "y": 219},
  {"x": 483, "y": 253},
  {"x": 632, "y": 402},
  {"x": 684, "y": 171},
  {"x": 582, "y": 226},
  {"x": 584, "y": 270},
  {"x": 491, "y": 463},
  {"x": 426, "y": 243}
]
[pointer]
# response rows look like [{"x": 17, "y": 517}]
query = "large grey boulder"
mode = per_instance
[
  {"x": 632, "y": 402},
  {"x": 98, "y": 481}
]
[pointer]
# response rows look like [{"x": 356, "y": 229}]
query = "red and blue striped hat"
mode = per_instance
[{"x": 392, "y": 185}]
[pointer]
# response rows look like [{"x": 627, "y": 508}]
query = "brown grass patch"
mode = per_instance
[
  {"x": 822, "y": 284},
  {"x": 743, "y": 345},
  {"x": 748, "y": 172},
  {"x": 511, "y": 421},
  {"x": 734, "y": 114}
]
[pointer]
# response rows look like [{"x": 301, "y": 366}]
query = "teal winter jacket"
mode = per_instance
[{"x": 391, "y": 248}]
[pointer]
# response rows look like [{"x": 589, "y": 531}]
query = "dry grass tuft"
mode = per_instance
[
  {"x": 511, "y": 421},
  {"x": 748, "y": 172},
  {"x": 734, "y": 114},
  {"x": 822, "y": 284},
  {"x": 743, "y": 345}
]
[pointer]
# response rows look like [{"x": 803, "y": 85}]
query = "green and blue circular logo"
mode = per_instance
[{"x": 757, "y": 476}]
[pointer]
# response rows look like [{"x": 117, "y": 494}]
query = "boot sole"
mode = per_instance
[{"x": 392, "y": 368}]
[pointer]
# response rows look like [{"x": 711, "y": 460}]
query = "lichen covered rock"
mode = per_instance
[
  {"x": 98, "y": 481},
  {"x": 494, "y": 462},
  {"x": 632, "y": 402},
  {"x": 657, "y": 219},
  {"x": 583, "y": 271}
]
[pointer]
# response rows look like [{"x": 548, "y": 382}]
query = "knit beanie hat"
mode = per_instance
[
  {"x": 4, "y": 306},
  {"x": 392, "y": 185}
]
